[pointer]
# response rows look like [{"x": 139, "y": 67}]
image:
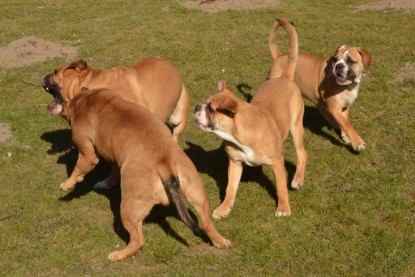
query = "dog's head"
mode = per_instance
[
  {"x": 219, "y": 113},
  {"x": 63, "y": 84},
  {"x": 348, "y": 64}
]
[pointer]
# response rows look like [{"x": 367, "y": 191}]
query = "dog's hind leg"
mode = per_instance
[
  {"x": 283, "y": 208},
  {"x": 133, "y": 211},
  {"x": 195, "y": 193},
  {"x": 297, "y": 133},
  {"x": 132, "y": 217},
  {"x": 180, "y": 114}
]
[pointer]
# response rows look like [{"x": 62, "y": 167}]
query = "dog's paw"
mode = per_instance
[
  {"x": 115, "y": 256},
  {"x": 296, "y": 184},
  {"x": 221, "y": 212},
  {"x": 223, "y": 244},
  {"x": 282, "y": 212},
  {"x": 65, "y": 186},
  {"x": 360, "y": 147}
]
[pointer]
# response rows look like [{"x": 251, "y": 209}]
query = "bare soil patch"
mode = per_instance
[
  {"x": 28, "y": 50},
  {"x": 406, "y": 5},
  {"x": 215, "y": 6},
  {"x": 406, "y": 73},
  {"x": 5, "y": 133}
]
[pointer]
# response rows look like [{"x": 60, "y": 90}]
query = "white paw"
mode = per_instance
[
  {"x": 281, "y": 214},
  {"x": 296, "y": 185},
  {"x": 220, "y": 213},
  {"x": 360, "y": 148}
]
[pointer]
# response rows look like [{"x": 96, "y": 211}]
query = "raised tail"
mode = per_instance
[
  {"x": 172, "y": 186},
  {"x": 293, "y": 49}
]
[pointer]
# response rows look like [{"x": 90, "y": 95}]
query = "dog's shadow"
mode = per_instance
[
  {"x": 315, "y": 123},
  {"x": 61, "y": 143},
  {"x": 215, "y": 164}
]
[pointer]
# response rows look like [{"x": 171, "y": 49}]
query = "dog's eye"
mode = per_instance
[
  {"x": 350, "y": 61},
  {"x": 209, "y": 108},
  {"x": 55, "y": 71}
]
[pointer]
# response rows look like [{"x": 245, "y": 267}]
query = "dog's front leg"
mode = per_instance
[
  {"x": 234, "y": 177},
  {"x": 87, "y": 159},
  {"x": 283, "y": 208},
  {"x": 342, "y": 119}
]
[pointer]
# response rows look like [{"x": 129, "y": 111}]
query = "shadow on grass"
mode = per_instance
[
  {"x": 215, "y": 164},
  {"x": 61, "y": 142},
  {"x": 158, "y": 215},
  {"x": 314, "y": 122}
]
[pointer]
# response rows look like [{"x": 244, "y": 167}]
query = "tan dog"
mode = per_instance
[
  {"x": 154, "y": 169},
  {"x": 332, "y": 84},
  {"x": 152, "y": 83},
  {"x": 254, "y": 132}
]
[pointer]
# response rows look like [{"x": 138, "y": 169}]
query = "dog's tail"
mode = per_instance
[
  {"x": 293, "y": 49},
  {"x": 175, "y": 194}
]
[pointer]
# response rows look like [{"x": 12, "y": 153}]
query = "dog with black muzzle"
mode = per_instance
[
  {"x": 153, "y": 83},
  {"x": 330, "y": 83}
]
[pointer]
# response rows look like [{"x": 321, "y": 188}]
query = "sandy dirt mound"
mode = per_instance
[
  {"x": 28, "y": 50},
  {"x": 214, "y": 6},
  {"x": 406, "y": 73},
  {"x": 5, "y": 133},
  {"x": 406, "y": 5}
]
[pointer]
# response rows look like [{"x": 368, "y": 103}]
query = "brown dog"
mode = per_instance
[
  {"x": 152, "y": 83},
  {"x": 254, "y": 132},
  {"x": 332, "y": 84},
  {"x": 154, "y": 169}
]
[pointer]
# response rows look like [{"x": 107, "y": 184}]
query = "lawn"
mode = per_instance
[{"x": 355, "y": 214}]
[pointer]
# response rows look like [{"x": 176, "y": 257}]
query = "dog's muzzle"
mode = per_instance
[
  {"x": 56, "y": 107},
  {"x": 344, "y": 75},
  {"x": 201, "y": 119}
]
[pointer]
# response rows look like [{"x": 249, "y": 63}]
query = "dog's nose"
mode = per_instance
[
  {"x": 339, "y": 68},
  {"x": 42, "y": 81}
]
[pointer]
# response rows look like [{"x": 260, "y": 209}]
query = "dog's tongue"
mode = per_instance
[
  {"x": 342, "y": 81},
  {"x": 202, "y": 127},
  {"x": 54, "y": 108}
]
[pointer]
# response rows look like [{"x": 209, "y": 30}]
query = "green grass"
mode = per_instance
[{"x": 353, "y": 217}]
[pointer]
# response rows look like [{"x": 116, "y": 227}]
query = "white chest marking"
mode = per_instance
[
  {"x": 350, "y": 96},
  {"x": 249, "y": 158}
]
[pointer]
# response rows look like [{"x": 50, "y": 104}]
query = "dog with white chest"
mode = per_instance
[
  {"x": 330, "y": 83},
  {"x": 254, "y": 132}
]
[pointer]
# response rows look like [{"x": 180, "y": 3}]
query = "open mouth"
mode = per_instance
[
  {"x": 56, "y": 107},
  {"x": 203, "y": 127},
  {"x": 342, "y": 81}
]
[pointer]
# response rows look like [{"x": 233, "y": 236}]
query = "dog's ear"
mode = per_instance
[
  {"x": 338, "y": 49},
  {"x": 78, "y": 65},
  {"x": 222, "y": 87},
  {"x": 366, "y": 57},
  {"x": 228, "y": 107}
]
